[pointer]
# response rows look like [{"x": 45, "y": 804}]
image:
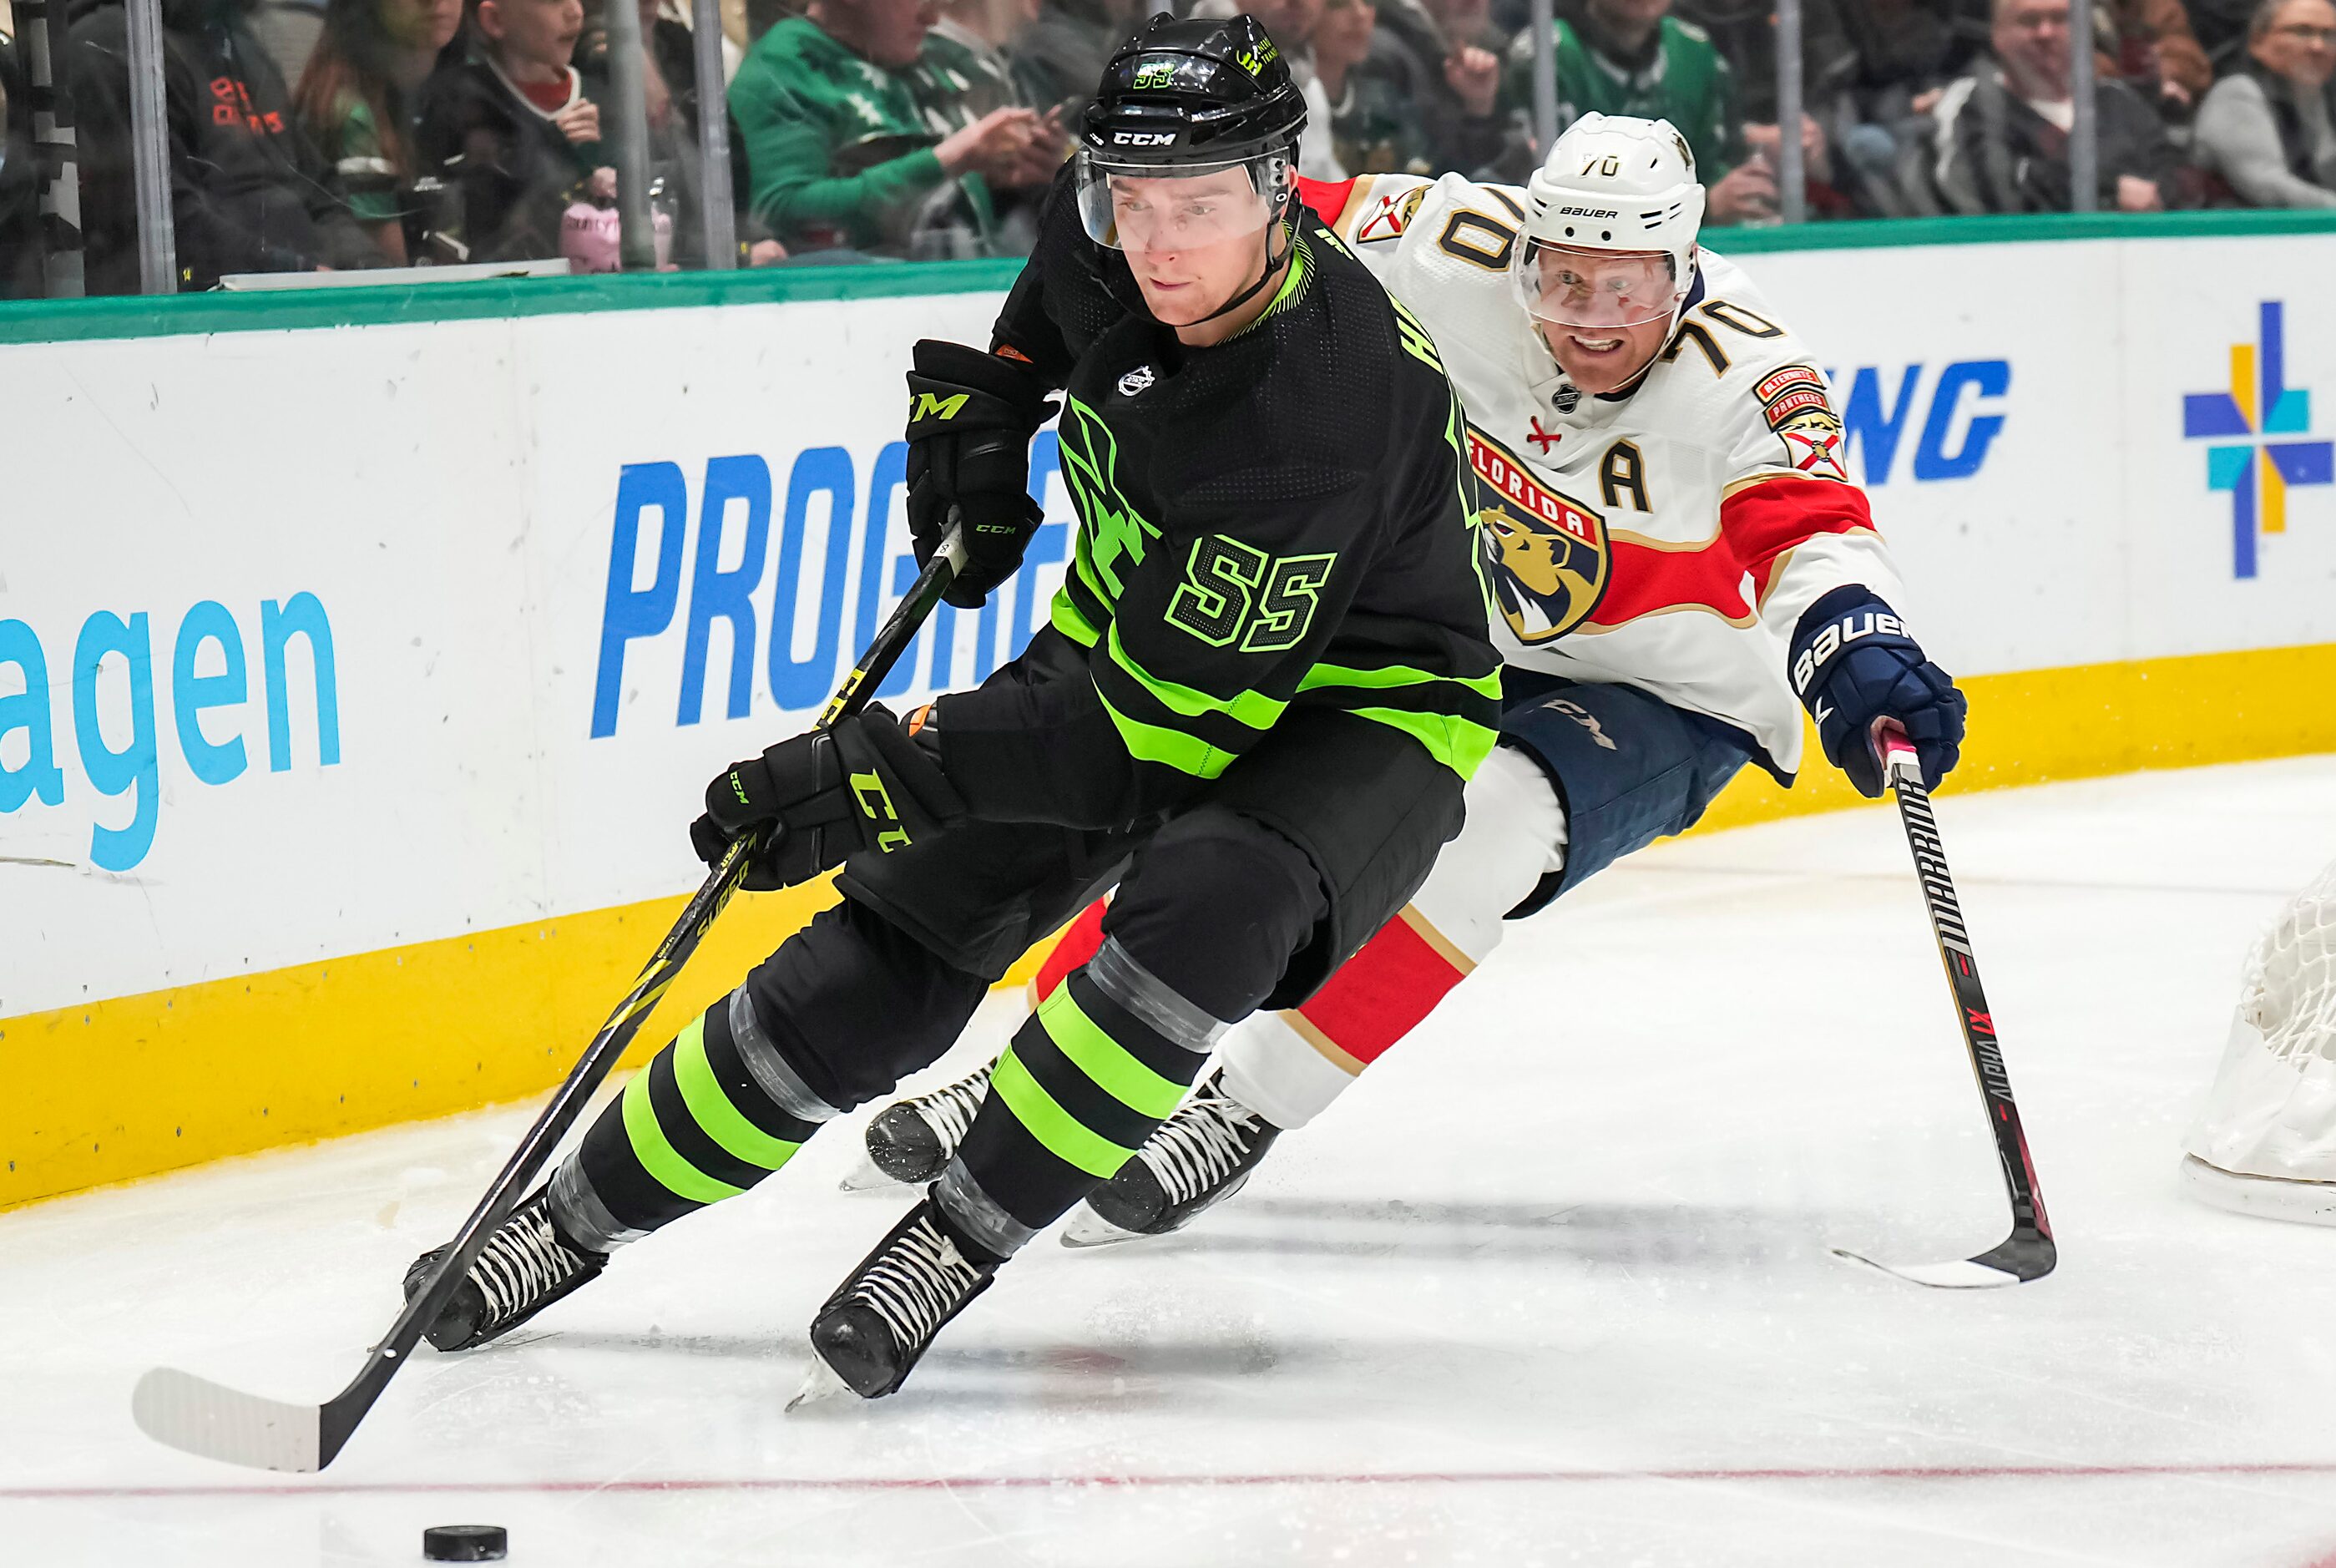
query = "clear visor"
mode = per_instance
[
  {"x": 1567, "y": 287},
  {"x": 1156, "y": 207}
]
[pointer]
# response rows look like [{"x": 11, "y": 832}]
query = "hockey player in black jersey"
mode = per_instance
[{"x": 1265, "y": 679}]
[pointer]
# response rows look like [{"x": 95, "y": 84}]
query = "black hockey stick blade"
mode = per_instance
[
  {"x": 2030, "y": 1251},
  {"x": 2016, "y": 1259},
  {"x": 209, "y": 1419}
]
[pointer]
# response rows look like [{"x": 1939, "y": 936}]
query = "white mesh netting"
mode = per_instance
[{"x": 2272, "y": 1111}]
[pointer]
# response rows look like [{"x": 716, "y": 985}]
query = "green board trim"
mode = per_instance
[
  {"x": 176, "y": 316},
  {"x": 1866, "y": 234},
  {"x": 279, "y": 310}
]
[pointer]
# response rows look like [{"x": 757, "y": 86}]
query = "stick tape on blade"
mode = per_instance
[{"x": 200, "y": 1416}]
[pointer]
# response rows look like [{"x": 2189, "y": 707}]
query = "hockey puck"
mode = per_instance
[{"x": 466, "y": 1543}]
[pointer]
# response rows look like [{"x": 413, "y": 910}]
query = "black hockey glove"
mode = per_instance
[
  {"x": 970, "y": 419},
  {"x": 825, "y": 795},
  {"x": 1854, "y": 664}
]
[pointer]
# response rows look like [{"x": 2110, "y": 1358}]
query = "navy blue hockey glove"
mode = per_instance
[
  {"x": 1854, "y": 666},
  {"x": 825, "y": 795},
  {"x": 970, "y": 419}
]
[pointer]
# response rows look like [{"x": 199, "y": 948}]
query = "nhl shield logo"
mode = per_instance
[
  {"x": 1135, "y": 381},
  {"x": 1548, "y": 554}
]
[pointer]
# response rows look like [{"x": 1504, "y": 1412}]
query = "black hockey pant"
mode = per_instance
[
  {"x": 1206, "y": 920},
  {"x": 1217, "y": 912}
]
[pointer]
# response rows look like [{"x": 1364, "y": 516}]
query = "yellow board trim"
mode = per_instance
[
  {"x": 2084, "y": 721},
  {"x": 136, "y": 1086}
]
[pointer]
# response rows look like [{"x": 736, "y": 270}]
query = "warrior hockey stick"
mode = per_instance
[
  {"x": 2027, "y": 1253},
  {"x": 217, "y": 1422}
]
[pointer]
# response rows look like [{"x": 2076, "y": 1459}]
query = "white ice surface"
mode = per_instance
[{"x": 1551, "y": 1286}]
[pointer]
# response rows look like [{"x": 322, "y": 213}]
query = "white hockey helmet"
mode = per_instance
[{"x": 1612, "y": 183}]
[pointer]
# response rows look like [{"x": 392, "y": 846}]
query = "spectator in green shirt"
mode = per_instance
[
  {"x": 1633, "y": 57},
  {"x": 841, "y": 153}
]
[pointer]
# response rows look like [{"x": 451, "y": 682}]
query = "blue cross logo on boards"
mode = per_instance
[{"x": 2254, "y": 471}]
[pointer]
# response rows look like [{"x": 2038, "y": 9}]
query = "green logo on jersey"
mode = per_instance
[{"x": 1113, "y": 528}]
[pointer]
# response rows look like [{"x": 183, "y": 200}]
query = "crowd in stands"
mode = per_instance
[{"x": 353, "y": 134}]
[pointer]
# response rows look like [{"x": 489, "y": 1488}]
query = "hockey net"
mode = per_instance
[{"x": 2265, "y": 1141}]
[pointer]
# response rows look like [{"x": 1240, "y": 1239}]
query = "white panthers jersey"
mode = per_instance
[{"x": 1669, "y": 537}]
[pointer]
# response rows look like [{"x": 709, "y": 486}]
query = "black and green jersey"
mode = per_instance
[{"x": 1271, "y": 523}]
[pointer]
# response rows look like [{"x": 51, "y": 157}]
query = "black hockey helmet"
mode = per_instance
[
  {"x": 1187, "y": 91},
  {"x": 1190, "y": 100}
]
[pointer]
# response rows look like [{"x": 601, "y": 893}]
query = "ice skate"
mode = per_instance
[
  {"x": 1201, "y": 1156},
  {"x": 911, "y": 1140},
  {"x": 523, "y": 1268},
  {"x": 874, "y": 1329}
]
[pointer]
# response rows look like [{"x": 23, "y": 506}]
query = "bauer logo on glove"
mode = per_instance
[
  {"x": 1855, "y": 666},
  {"x": 1835, "y": 633}
]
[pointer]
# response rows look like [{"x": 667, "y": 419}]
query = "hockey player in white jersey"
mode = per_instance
[{"x": 1681, "y": 564}]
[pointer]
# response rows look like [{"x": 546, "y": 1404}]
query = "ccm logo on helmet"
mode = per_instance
[{"x": 1142, "y": 138}]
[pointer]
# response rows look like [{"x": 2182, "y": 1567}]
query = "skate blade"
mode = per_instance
[
  {"x": 1089, "y": 1228},
  {"x": 865, "y": 1176},
  {"x": 821, "y": 1387}
]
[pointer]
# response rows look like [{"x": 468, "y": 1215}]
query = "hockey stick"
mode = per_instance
[
  {"x": 217, "y": 1422},
  {"x": 2027, "y": 1253}
]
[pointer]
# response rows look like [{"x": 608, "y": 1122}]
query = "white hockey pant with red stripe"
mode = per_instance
[{"x": 1289, "y": 1065}]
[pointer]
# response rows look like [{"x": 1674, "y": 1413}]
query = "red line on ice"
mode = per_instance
[{"x": 1003, "y": 1483}]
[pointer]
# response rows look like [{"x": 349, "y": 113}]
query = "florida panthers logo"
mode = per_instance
[
  {"x": 1548, "y": 554},
  {"x": 1812, "y": 444},
  {"x": 1797, "y": 409}
]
